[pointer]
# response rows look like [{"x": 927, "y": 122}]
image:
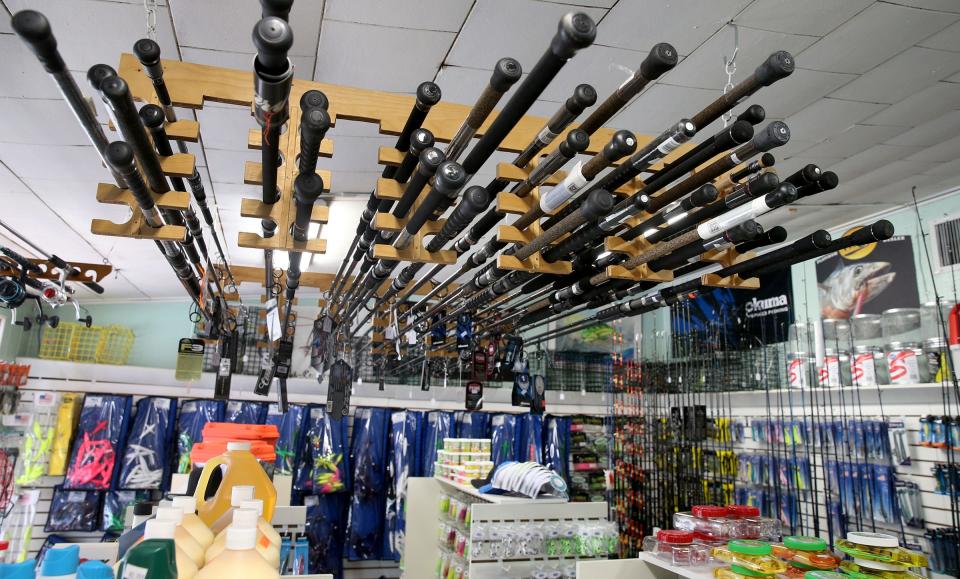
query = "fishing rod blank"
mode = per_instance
[
  {"x": 675, "y": 214},
  {"x": 772, "y": 236},
  {"x": 575, "y": 30},
  {"x": 745, "y": 231},
  {"x": 777, "y": 66},
  {"x": 506, "y": 72},
  {"x": 584, "y": 96},
  {"x": 727, "y": 183},
  {"x": 34, "y": 29},
  {"x": 827, "y": 181},
  {"x": 662, "y": 58}
]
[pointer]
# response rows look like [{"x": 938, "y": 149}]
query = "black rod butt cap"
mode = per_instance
[
  {"x": 584, "y": 95},
  {"x": 577, "y": 141},
  {"x": 882, "y": 230},
  {"x": 430, "y": 160},
  {"x": 114, "y": 87},
  {"x": 767, "y": 160},
  {"x": 775, "y": 134},
  {"x": 778, "y": 65},
  {"x": 147, "y": 51},
  {"x": 307, "y": 187},
  {"x": 828, "y": 180},
  {"x": 599, "y": 202},
  {"x": 662, "y": 57},
  {"x": 738, "y": 133},
  {"x": 420, "y": 139},
  {"x": 764, "y": 183},
  {"x": 34, "y": 28},
  {"x": 119, "y": 154},
  {"x": 821, "y": 239},
  {"x": 314, "y": 99},
  {"x": 776, "y": 235},
  {"x": 622, "y": 144},
  {"x": 272, "y": 37},
  {"x": 477, "y": 198},
  {"x": 428, "y": 94},
  {"x": 576, "y": 30},
  {"x": 315, "y": 120},
  {"x": 99, "y": 73},
  {"x": 506, "y": 72},
  {"x": 450, "y": 176},
  {"x": 152, "y": 116},
  {"x": 706, "y": 194},
  {"x": 785, "y": 194},
  {"x": 753, "y": 114},
  {"x": 746, "y": 231}
]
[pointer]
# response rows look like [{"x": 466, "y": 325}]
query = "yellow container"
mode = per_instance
[
  {"x": 85, "y": 342},
  {"x": 115, "y": 345},
  {"x": 55, "y": 342},
  {"x": 67, "y": 416},
  {"x": 238, "y": 467}
]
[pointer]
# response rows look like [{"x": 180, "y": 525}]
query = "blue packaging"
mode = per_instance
[
  {"x": 101, "y": 433},
  {"x": 556, "y": 446},
  {"x": 285, "y": 556},
  {"x": 72, "y": 510},
  {"x": 288, "y": 424},
  {"x": 404, "y": 463},
  {"x": 323, "y": 460},
  {"x": 301, "y": 557},
  {"x": 326, "y": 529},
  {"x": 438, "y": 425},
  {"x": 145, "y": 460},
  {"x": 472, "y": 424},
  {"x": 368, "y": 453},
  {"x": 503, "y": 434},
  {"x": 115, "y": 505},
  {"x": 530, "y": 438},
  {"x": 239, "y": 412},
  {"x": 194, "y": 415}
]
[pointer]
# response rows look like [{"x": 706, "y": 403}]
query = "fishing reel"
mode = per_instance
[
  {"x": 12, "y": 292},
  {"x": 59, "y": 294}
]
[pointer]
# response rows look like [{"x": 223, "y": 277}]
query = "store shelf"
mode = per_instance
[
  {"x": 497, "y": 499},
  {"x": 689, "y": 572}
]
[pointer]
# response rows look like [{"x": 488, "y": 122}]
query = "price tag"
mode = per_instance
[
  {"x": 189, "y": 359},
  {"x": 273, "y": 320}
]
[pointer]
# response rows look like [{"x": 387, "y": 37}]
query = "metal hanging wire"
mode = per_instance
[
  {"x": 150, "y": 9},
  {"x": 730, "y": 68}
]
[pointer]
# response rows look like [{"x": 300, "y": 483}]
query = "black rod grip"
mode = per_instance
[
  {"x": 34, "y": 28},
  {"x": 307, "y": 188},
  {"x": 878, "y": 231},
  {"x": 808, "y": 174},
  {"x": 273, "y": 38},
  {"x": 449, "y": 177},
  {"x": 427, "y": 95},
  {"x": 475, "y": 199},
  {"x": 771, "y": 236},
  {"x": 753, "y": 114},
  {"x": 827, "y": 181},
  {"x": 818, "y": 240},
  {"x": 278, "y": 8},
  {"x": 120, "y": 157},
  {"x": 420, "y": 139},
  {"x": 314, "y": 123},
  {"x": 117, "y": 93},
  {"x": 430, "y": 161}
]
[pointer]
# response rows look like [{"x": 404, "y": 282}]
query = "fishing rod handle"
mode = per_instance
[
  {"x": 784, "y": 194},
  {"x": 314, "y": 99},
  {"x": 729, "y": 137},
  {"x": 622, "y": 143},
  {"x": 753, "y": 114},
  {"x": 771, "y": 236},
  {"x": 662, "y": 58},
  {"x": 117, "y": 94},
  {"x": 738, "y": 233},
  {"x": 153, "y": 118},
  {"x": 506, "y": 72},
  {"x": 726, "y": 184},
  {"x": 24, "y": 263},
  {"x": 273, "y": 73},
  {"x": 827, "y": 181},
  {"x": 659, "y": 250},
  {"x": 196, "y": 188},
  {"x": 575, "y": 30},
  {"x": 583, "y": 96},
  {"x": 34, "y": 29},
  {"x": 576, "y": 142},
  {"x": 120, "y": 156},
  {"x": 597, "y": 204},
  {"x": 751, "y": 189},
  {"x": 307, "y": 188},
  {"x": 818, "y": 240},
  {"x": 63, "y": 265},
  {"x": 314, "y": 124},
  {"x": 877, "y": 231},
  {"x": 449, "y": 178},
  {"x": 777, "y": 66},
  {"x": 807, "y": 174},
  {"x": 427, "y": 94},
  {"x": 420, "y": 139},
  {"x": 277, "y": 8},
  {"x": 674, "y": 214},
  {"x": 431, "y": 160},
  {"x": 475, "y": 200},
  {"x": 147, "y": 52}
]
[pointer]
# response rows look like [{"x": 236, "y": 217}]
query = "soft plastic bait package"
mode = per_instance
[
  {"x": 326, "y": 528},
  {"x": 288, "y": 424},
  {"x": 530, "y": 438},
  {"x": 194, "y": 415},
  {"x": 101, "y": 432},
  {"x": 323, "y": 465},
  {"x": 145, "y": 460},
  {"x": 438, "y": 425},
  {"x": 472, "y": 424},
  {"x": 367, "y": 506},
  {"x": 504, "y": 438},
  {"x": 403, "y": 463},
  {"x": 67, "y": 415},
  {"x": 72, "y": 511},
  {"x": 239, "y": 412},
  {"x": 115, "y": 505},
  {"x": 36, "y": 449},
  {"x": 556, "y": 446}
]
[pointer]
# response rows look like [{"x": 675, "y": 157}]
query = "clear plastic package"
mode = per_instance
[
  {"x": 754, "y": 556},
  {"x": 677, "y": 548}
]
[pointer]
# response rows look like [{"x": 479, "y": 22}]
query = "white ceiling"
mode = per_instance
[{"x": 876, "y": 97}]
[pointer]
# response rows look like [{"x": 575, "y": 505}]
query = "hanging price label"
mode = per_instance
[{"x": 189, "y": 359}]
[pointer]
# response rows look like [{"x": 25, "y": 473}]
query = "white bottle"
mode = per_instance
[
  {"x": 155, "y": 529},
  {"x": 237, "y": 496},
  {"x": 247, "y": 519},
  {"x": 262, "y": 524},
  {"x": 192, "y": 523},
  {"x": 181, "y": 536},
  {"x": 240, "y": 559}
]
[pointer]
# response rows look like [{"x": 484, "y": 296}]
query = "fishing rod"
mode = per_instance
[
  {"x": 147, "y": 52},
  {"x": 60, "y": 263},
  {"x": 272, "y": 79},
  {"x": 583, "y": 97},
  {"x": 427, "y": 95},
  {"x": 506, "y": 72}
]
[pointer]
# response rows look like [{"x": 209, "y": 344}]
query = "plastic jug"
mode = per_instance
[
  {"x": 192, "y": 523},
  {"x": 61, "y": 563},
  {"x": 155, "y": 529},
  {"x": 265, "y": 528},
  {"x": 150, "y": 559},
  {"x": 94, "y": 570},
  {"x": 220, "y": 474},
  {"x": 24, "y": 570},
  {"x": 240, "y": 559},
  {"x": 237, "y": 496},
  {"x": 181, "y": 536},
  {"x": 247, "y": 519}
]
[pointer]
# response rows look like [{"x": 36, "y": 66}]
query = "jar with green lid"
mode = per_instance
[
  {"x": 755, "y": 556},
  {"x": 864, "y": 571},
  {"x": 737, "y": 572},
  {"x": 824, "y": 575},
  {"x": 805, "y": 554}
]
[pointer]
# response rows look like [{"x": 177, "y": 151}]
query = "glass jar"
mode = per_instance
[
  {"x": 867, "y": 329},
  {"x": 905, "y": 362},
  {"x": 800, "y": 336},
  {"x": 935, "y": 352},
  {"x": 930, "y": 319},
  {"x": 902, "y": 325},
  {"x": 800, "y": 367},
  {"x": 836, "y": 369},
  {"x": 869, "y": 366},
  {"x": 836, "y": 333}
]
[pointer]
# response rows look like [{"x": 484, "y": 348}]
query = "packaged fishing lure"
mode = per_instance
[
  {"x": 288, "y": 424},
  {"x": 301, "y": 556},
  {"x": 67, "y": 415},
  {"x": 145, "y": 460},
  {"x": 38, "y": 418},
  {"x": 472, "y": 424},
  {"x": 194, "y": 415},
  {"x": 556, "y": 446},
  {"x": 101, "y": 432},
  {"x": 323, "y": 464},
  {"x": 72, "y": 511},
  {"x": 367, "y": 503},
  {"x": 17, "y": 529},
  {"x": 404, "y": 462},
  {"x": 325, "y": 529},
  {"x": 239, "y": 412},
  {"x": 115, "y": 505},
  {"x": 530, "y": 438},
  {"x": 503, "y": 435},
  {"x": 437, "y": 426}
]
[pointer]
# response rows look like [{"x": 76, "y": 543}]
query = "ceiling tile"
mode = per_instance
[
  {"x": 75, "y": 24},
  {"x": 379, "y": 57},
  {"x": 515, "y": 37},
  {"x": 936, "y": 131},
  {"x": 686, "y": 24},
  {"x": 946, "y": 39},
  {"x": 661, "y": 106},
  {"x": 357, "y": 154},
  {"x": 75, "y": 202},
  {"x": 812, "y": 17},
  {"x": 870, "y": 160},
  {"x": 80, "y": 163},
  {"x": 10, "y": 184},
  {"x": 920, "y": 107},
  {"x": 227, "y": 25},
  {"x": 40, "y": 121},
  {"x": 942, "y": 5},
  {"x": 873, "y": 36},
  {"x": 302, "y": 65},
  {"x": 828, "y": 117},
  {"x": 797, "y": 91},
  {"x": 444, "y": 15},
  {"x": 853, "y": 140},
  {"x": 225, "y": 127},
  {"x": 948, "y": 169},
  {"x": 903, "y": 75},
  {"x": 704, "y": 68},
  {"x": 30, "y": 216},
  {"x": 355, "y": 181},
  {"x": 939, "y": 153},
  {"x": 874, "y": 180},
  {"x": 227, "y": 166},
  {"x": 602, "y": 67}
]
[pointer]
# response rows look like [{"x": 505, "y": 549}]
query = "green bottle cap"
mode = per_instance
[
  {"x": 804, "y": 543},
  {"x": 749, "y": 547},
  {"x": 152, "y": 558},
  {"x": 747, "y": 572}
]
